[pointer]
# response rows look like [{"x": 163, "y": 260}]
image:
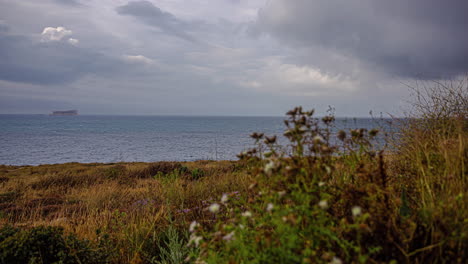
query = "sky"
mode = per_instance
[{"x": 225, "y": 57}]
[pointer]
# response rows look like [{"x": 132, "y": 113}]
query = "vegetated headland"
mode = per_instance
[{"x": 310, "y": 201}]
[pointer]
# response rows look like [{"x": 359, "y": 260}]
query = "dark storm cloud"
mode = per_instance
[
  {"x": 153, "y": 16},
  {"x": 69, "y": 2},
  {"x": 24, "y": 60},
  {"x": 417, "y": 39}
]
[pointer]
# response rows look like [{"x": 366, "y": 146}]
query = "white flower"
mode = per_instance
[
  {"x": 241, "y": 226},
  {"x": 323, "y": 204},
  {"x": 247, "y": 214},
  {"x": 356, "y": 211},
  {"x": 336, "y": 260},
  {"x": 269, "y": 167},
  {"x": 320, "y": 184},
  {"x": 229, "y": 236},
  {"x": 194, "y": 239},
  {"x": 269, "y": 207},
  {"x": 214, "y": 208},
  {"x": 318, "y": 139},
  {"x": 224, "y": 198},
  {"x": 193, "y": 226}
]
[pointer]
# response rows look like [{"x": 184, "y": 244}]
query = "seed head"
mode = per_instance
[
  {"x": 214, "y": 208},
  {"x": 193, "y": 226},
  {"x": 247, "y": 214},
  {"x": 336, "y": 260},
  {"x": 224, "y": 198},
  {"x": 323, "y": 204},
  {"x": 195, "y": 240},
  {"x": 269, "y": 207},
  {"x": 229, "y": 236},
  {"x": 356, "y": 211},
  {"x": 341, "y": 135}
]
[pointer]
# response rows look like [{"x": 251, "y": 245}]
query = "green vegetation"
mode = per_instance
[{"x": 322, "y": 198}]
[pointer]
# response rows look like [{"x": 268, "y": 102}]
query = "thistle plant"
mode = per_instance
[{"x": 287, "y": 214}]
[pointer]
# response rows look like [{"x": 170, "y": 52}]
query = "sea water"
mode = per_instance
[{"x": 43, "y": 139}]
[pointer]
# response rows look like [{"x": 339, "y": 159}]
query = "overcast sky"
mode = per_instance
[{"x": 225, "y": 57}]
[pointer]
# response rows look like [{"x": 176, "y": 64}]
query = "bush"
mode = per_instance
[{"x": 47, "y": 245}]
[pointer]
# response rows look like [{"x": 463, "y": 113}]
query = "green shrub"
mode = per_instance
[
  {"x": 47, "y": 245},
  {"x": 197, "y": 174}
]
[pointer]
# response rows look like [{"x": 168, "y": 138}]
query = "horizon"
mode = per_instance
[{"x": 201, "y": 115}]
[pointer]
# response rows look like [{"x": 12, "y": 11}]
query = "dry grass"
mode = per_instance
[{"x": 125, "y": 199}]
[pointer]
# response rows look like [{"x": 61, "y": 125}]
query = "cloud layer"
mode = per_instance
[
  {"x": 224, "y": 57},
  {"x": 419, "y": 38}
]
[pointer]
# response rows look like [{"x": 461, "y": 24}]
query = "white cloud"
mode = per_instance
[
  {"x": 73, "y": 41},
  {"x": 138, "y": 59},
  {"x": 275, "y": 76},
  {"x": 55, "y": 34}
]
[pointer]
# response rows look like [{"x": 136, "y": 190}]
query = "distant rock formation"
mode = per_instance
[{"x": 65, "y": 113}]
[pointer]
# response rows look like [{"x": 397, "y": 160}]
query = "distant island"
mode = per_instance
[{"x": 65, "y": 113}]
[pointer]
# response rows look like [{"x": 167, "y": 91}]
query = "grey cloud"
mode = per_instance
[
  {"x": 24, "y": 60},
  {"x": 151, "y": 15},
  {"x": 417, "y": 39},
  {"x": 69, "y": 2},
  {"x": 3, "y": 27}
]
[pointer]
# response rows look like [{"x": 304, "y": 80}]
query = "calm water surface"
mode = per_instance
[{"x": 42, "y": 139}]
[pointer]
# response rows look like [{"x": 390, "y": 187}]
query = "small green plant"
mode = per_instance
[
  {"x": 197, "y": 174},
  {"x": 172, "y": 247},
  {"x": 47, "y": 245}
]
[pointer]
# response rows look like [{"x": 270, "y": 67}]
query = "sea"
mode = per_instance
[{"x": 44, "y": 139}]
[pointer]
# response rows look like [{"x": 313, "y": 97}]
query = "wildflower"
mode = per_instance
[
  {"x": 342, "y": 135},
  {"x": 328, "y": 170},
  {"x": 256, "y": 135},
  {"x": 224, "y": 198},
  {"x": 320, "y": 184},
  {"x": 318, "y": 139},
  {"x": 336, "y": 260},
  {"x": 214, "y": 208},
  {"x": 193, "y": 226},
  {"x": 229, "y": 236},
  {"x": 373, "y": 132},
  {"x": 269, "y": 207},
  {"x": 328, "y": 119},
  {"x": 270, "y": 140},
  {"x": 303, "y": 129},
  {"x": 247, "y": 214},
  {"x": 288, "y": 133},
  {"x": 356, "y": 211},
  {"x": 323, "y": 204},
  {"x": 281, "y": 193},
  {"x": 241, "y": 226},
  {"x": 269, "y": 167},
  {"x": 194, "y": 239}
]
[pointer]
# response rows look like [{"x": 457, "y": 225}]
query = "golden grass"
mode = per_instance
[{"x": 120, "y": 198}]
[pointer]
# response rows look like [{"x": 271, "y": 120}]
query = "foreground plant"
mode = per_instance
[{"x": 327, "y": 198}]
